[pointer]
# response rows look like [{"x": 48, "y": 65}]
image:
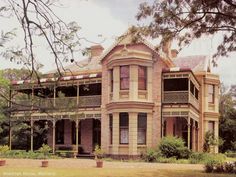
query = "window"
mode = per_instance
[
  {"x": 191, "y": 87},
  {"x": 211, "y": 126},
  {"x": 124, "y": 128},
  {"x": 211, "y": 91},
  {"x": 60, "y": 132},
  {"x": 124, "y": 77},
  {"x": 142, "y": 78},
  {"x": 196, "y": 93},
  {"x": 111, "y": 79},
  {"x": 142, "y": 128},
  {"x": 110, "y": 126}
]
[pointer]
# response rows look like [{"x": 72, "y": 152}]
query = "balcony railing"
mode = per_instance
[
  {"x": 58, "y": 103},
  {"x": 180, "y": 97},
  {"x": 175, "y": 97}
]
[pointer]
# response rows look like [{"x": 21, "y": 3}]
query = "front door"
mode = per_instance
[{"x": 96, "y": 132}]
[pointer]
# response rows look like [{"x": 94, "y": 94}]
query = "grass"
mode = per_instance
[{"x": 105, "y": 172}]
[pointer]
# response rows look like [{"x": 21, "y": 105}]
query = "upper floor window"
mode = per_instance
[
  {"x": 211, "y": 93},
  {"x": 124, "y": 128},
  {"x": 142, "y": 78},
  {"x": 211, "y": 126},
  {"x": 124, "y": 77}
]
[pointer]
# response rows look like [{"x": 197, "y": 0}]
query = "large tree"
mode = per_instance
[
  {"x": 185, "y": 20},
  {"x": 38, "y": 20},
  {"x": 227, "y": 128}
]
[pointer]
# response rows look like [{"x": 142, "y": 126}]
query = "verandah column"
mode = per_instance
[
  {"x": 53, "y": 134},
  {"x": 31, "y": 134},
  {"x": 77, "y": 135},
  {"x": 194, "y": 136},
  {"x": 189, "y": 126}
]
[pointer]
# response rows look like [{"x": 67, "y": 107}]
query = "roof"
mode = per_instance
[
  {"x": 88, "y": 64},
  {"x": 195, "y": 63}
]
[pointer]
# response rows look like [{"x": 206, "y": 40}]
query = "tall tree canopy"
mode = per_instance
[
  {"x": 227, "y": 128},
  {"x": 186, "y": 20},
  {"x": 38, "y": 19}
]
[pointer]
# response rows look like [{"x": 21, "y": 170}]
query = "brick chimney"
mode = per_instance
[{"x": 96, "y": 50}]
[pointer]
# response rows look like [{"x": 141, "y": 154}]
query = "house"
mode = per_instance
[{"x": 125, "y": 99}]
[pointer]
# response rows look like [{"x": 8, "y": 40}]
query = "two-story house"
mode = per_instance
[{"x": 125, "y": 99}]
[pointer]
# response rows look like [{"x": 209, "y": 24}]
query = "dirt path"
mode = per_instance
[{"x": 87, "y": 163}]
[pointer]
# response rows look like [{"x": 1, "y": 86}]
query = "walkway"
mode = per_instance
[{"x": 88, "y": 163}]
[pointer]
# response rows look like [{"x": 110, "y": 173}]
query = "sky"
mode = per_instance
[{"x": 105, "y": 20}]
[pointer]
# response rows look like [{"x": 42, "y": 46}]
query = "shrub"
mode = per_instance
[
  {"x": 229, "y": 167},
  {"x": 214, "y": 163},
  {"x": 98, "y": 152},
  {"x": 3, "y": 150},
  {"x": 173, "y": 147},
  {"x": 151, "y": 155},
  {"x": 45, "y": 149},
  {"x": 198, "y": 157}
]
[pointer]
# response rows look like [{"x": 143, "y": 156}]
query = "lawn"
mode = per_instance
[{"x": 107, "y": 172}]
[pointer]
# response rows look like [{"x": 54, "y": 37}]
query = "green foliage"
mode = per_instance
[
  {"x": 173, "y": 147},
  {"x": 187, "y": 20},
  {"x": 227, "y": 124},
  {"x": 98, "y": 152},
  {"x": 209, "y": 140},
  {"x": 213, "y": 163},
  {"x": 45, "y": 149},
  {"x": 151, "y": 155},
  {"x": 3, "y": 150}
]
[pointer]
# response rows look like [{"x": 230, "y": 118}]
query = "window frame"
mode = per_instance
[
  {"x": 124, "y": 78},
  {"x": 142, "y": 78},
  {"x": 124, "y": 128},
  {"x": 142, "y": 128},
  {"x": 211, "y": 95}
]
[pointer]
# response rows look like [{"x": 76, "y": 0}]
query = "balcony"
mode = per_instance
[
  {"x": 184, "y": 90},
  {"x": 58, "y": 103},
  {"x": 181, "y": 97}
]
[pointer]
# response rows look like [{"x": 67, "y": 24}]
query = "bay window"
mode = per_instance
[
  {"x": 124, "y": 128},
  {"x": 124, "y": 77},
  {"x": 142, "y": 128},
  {"x": 142, "y": 78}
]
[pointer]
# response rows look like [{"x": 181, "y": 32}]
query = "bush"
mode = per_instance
[
  {"x": 151, "y": 155},
  {"x": 198, "y": 157},
  {"x": 215, "y": 163},
  {"x": 173, "y": 147},
  {"x": 229, "y": 167}
]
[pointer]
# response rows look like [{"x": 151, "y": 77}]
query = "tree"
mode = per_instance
[
  {"x": 20, "y": 129},
  {"x": 227, "y": 126},
  {"x": 37, "y": 19},
  {"x": 190, "y": 19}
]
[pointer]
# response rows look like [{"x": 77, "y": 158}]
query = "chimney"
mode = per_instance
[
  {"x": 96, "y": 50},
  {"x": 174, "y": 53}
]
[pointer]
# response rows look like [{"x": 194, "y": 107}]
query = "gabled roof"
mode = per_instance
[
  {"x": 195, "y": 63},
  {"x": 126, "y": 38}
]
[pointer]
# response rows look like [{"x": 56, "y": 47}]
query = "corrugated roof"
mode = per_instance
[{"x": 195, "y": 62}]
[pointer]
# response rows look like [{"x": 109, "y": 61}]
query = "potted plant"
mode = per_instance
[
  {"x": 98, "y": 152},
  {"x": 45, "y": 149},
  {"x": 3, "y": 150}
]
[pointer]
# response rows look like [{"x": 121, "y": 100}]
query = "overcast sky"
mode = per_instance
[{"x": 109, "y": 19}]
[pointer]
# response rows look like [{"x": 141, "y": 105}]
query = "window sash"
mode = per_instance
[
  {"x": 124, "y": 77},
  {"x": 211, "y": 93},
  {"x": 142, "y": 78},
  {"x": 124, "y": 135}
]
